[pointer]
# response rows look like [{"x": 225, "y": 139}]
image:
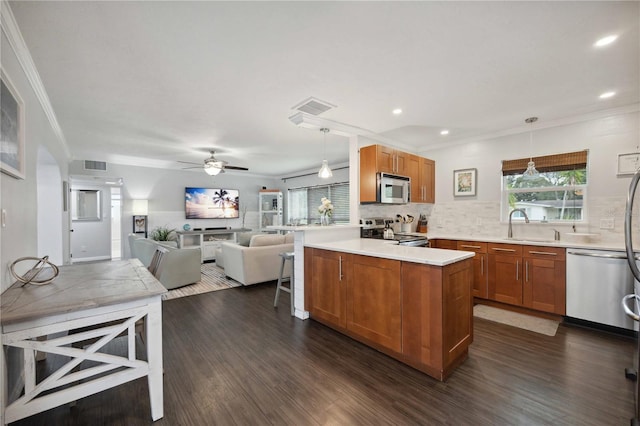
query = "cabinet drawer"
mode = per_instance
[
  {"x": 504, "y": 249},
  {"x": 478, "y": 247},
  {"x": 549, "y": 253}
]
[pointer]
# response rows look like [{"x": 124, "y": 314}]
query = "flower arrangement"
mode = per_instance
[{"x": 326, "y": 208}]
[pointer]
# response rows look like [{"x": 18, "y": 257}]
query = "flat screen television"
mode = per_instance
[{"x": 211, "y": 203}]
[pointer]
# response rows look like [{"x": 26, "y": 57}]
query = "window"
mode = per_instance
[
  {"x": 303, "y": 203},
  {"x": 558, "y": 194}
]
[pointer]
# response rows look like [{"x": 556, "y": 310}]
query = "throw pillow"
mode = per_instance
[
  {"x": 244, "y": 238},
  {"x": 266, "y": 240}
]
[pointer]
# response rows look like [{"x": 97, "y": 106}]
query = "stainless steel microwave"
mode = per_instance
[{"x": 393, "y": 189}]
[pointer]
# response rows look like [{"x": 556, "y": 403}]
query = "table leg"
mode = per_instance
[{"x": 154, "y": 358}]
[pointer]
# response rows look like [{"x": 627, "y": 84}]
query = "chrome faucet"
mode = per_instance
[
  {"x": 526, "y": 220},
  {"x": 556, "y": 234}
]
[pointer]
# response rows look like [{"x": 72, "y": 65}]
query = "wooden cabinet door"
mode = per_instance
[
  {"x": 329, "y": 274},
  {"x": 480, "y": 267},
  {"x": 368, "y": 174},
  {"x": 374, "y": 308},
  {"x": 413, "y": 171},
  {"x": 505, "y": 273},
  {"x": 428, "y": 180},
  {"x": 544, "y": 287},
  {"x": 444, "y": 244},
  {"x": 386, "y": 158},
  {"x": 402, "y": 163}
]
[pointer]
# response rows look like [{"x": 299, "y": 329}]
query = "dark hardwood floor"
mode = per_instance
[{"x": 230, "y": 358}]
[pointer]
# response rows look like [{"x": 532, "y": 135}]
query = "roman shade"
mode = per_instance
[{"x": 547, "y": 163}]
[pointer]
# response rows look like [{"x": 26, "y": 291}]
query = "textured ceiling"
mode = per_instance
[{"x": 154, "y": 82}]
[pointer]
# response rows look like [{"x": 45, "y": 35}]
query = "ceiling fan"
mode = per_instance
[{"x": 213, "y": 166}]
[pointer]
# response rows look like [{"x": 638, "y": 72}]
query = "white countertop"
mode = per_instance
[
  {"x": 388, "y": 249},
  {"x": 534, "y": 242}
]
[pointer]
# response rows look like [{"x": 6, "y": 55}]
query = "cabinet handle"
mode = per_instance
[
  {"x": 526, "y": 272},
  {"x": 468, "y": 246},
  {"x": 482, "y": 265},
  {"x": 340, "y": 269},
  {"x": 503, "y": 249},
  {"x": 517, "y": 270},
  {"x": 546, "y": 253}
]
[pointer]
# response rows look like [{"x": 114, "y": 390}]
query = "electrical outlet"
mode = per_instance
[
  {"x": 4, "y": 218},
  {"x": 606, "y": 223}
]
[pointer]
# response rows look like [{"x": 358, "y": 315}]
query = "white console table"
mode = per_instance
[
  {"x": 107, "y": 297},
  {"x": 207, "y": 240}
]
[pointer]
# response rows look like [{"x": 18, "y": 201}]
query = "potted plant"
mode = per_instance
[{"x": 162, "y": 233}]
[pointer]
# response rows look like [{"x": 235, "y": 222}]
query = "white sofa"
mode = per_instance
[
  {"x": 259, "y": 261},
  {"x": 179, "y": 267}
]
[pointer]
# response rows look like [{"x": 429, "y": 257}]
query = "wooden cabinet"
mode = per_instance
[
  {"x": 505, "y": 273},
  {"x": 480, "y": 266},
  {"x": 544, "y": 286},
  {"x": 368, "y": 307},
  {"x": 419, "y": 314},
  {"x": 529, "y": 276},
  {"x": 444, "y": 244},
  {"x": 373, "y": 301},
  {"x": 329, "y": 272},
  {"x": 422, "y": 173},
  {"x": 376, "y": 159}
]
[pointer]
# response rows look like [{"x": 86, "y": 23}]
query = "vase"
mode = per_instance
[{"x": 324, "y": 220}]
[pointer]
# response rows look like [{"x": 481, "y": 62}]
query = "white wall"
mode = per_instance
[
  {"x": 50, "y": 209},
  {"x": 19, "y": 196},
  {"x": 164, "y": 188},
  {"x": 604, "y": 137}
]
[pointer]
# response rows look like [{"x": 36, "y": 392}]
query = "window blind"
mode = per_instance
[
  {"x": 547, "y": 163},
  {"x": 303, "y": 202}
]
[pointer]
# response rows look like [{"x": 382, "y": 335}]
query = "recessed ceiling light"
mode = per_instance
[
  {"x": 444, "y": 132},
  {"x": 397, "y": 111},
  {"x": 605, "y": 41},
  {"x": 607, "y": 95}
]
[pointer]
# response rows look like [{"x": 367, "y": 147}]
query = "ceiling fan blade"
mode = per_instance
[
  {"x": 189, "y": 162},
  {"x": 188, "y": 168},
  {"x": 235, "y": 168}
]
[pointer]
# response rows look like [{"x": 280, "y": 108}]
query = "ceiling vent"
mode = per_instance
[
  {"x": 314, "y": 106},
  {"x": 95, "y": 165}
]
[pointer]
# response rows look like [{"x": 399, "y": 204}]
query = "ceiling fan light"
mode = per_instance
[
  {"x": 325, "y": 171},
  {"x": 211, "y": 169}
]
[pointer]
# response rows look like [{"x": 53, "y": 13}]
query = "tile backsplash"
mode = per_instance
[{"x": 482, "y": 219}]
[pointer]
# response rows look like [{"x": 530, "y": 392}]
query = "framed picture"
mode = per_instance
[
  {"x": 464, "y": 182},
  {"x": 140, "y": 225},
  {"x": 628, "y": 164},
  {"x": 11, "y": 129}
]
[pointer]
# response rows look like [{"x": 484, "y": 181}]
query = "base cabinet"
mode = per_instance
[
  {"x": 544, "y": 287},
  {"x": 480, "y": 267},
  {"x": 419, "y": 314}
]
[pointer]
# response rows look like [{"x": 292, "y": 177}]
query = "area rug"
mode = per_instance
[
  {"x": 514, "y": 319},
  {"x": 213, "y": 279}
]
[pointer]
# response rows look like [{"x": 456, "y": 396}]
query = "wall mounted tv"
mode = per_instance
[{"x": 211, "y": 203}]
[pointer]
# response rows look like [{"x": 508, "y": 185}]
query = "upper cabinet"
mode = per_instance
[{"x": 376, "y": 159}]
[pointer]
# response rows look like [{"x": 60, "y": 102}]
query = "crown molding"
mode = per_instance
[{"x": 10, "y": 28}]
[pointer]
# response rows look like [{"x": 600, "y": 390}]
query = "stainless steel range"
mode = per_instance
[{"x": 373, "y": 227}]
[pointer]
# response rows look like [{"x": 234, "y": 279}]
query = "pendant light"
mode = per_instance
[
  {"x": 531, "y": 172},
  {"x": 325, "y": 171}
]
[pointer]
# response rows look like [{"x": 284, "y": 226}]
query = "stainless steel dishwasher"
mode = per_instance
[{"x": 597, "y": 280}]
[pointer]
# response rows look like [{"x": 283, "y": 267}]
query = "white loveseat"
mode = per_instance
[
  {"x": 259, "y": 261},
  {"x": 179, "y": 267}
]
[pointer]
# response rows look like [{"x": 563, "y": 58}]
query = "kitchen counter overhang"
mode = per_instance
[{"x": 387, "y": 249}]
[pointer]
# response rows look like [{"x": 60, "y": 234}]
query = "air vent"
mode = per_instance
[
  {"x": 95, "y": 165},
  {"x": 314, "y": 106}
]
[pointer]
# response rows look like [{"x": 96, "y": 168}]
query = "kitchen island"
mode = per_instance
[{"x": 411, "y": 303}]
